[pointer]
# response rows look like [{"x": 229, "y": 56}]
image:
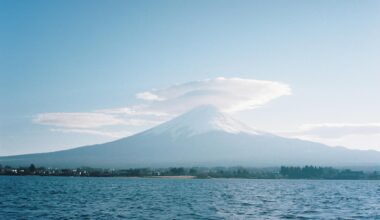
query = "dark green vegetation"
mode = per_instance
[
  {"x": 312, "y": 172},
  {"x": 284, "y": 172}
]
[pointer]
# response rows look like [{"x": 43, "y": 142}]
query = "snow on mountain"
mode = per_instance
[
  {"x": 201, "y": 120},
  {"x": 201, "y": 137}
]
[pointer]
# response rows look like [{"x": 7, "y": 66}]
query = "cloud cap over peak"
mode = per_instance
[
  {"x": 227, "y": 94},
  {"x": 159, "y": 105}
]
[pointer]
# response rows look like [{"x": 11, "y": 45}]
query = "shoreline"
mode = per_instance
[
  {"x": 283, "y": 172},
  {"x": 171, "y": 177},
  {"x": 191, "y": 177}
]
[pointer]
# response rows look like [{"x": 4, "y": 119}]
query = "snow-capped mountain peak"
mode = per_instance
[
  {"x": 201, "y": 120},
  {"x": 201, "y": 137}
]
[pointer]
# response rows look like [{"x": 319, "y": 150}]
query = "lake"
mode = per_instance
[{"x": 33, "y": 197}]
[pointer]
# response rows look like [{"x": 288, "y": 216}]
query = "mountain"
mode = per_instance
[{"x": 202, "y": 137}]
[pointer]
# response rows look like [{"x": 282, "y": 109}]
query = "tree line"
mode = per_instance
[
  {"x": 313, "y": 172},
  {"x": 284, "y": 172}
]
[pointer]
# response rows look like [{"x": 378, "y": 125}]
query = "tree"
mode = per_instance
[
  {"x": 177, "y": 171},
  {"x": 193, "y": 171},
  {"x": 32, "y": 168}
]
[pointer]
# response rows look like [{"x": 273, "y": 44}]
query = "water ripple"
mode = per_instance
[{"x": 133, "y": 198}]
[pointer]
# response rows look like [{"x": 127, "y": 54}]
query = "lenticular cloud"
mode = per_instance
[
  {"x": 227, "y": 94},
  {"x": 158, "y": 105}
]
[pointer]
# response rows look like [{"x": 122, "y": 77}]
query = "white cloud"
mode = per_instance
[
  {"x": 227, "y": 94},
  {"x": 77, "y": 120},
  {"x": 338, "y": 130},
  {"x": 138, "y": 110},
  {"x": 158, "y": 105},
  {"x": 141, "y": 122},
  {"x": 89, "y": 120},
  {"x": 148, "y": 96},
  {"x": 92, "y": 132},
  {"x": 352, "y": 135}
]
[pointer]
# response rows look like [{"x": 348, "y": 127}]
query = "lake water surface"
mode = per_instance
[{"x": 139, "y": 198}]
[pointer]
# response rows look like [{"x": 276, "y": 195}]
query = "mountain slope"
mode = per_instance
[
  {"x": 201, "y": 137},
  {"x": 200, "y": 120}
]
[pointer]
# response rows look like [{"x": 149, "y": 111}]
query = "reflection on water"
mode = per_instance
[{"x": 134, "y": 198}]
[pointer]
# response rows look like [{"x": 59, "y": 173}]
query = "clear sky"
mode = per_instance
[{"x": 79, "y": 72}]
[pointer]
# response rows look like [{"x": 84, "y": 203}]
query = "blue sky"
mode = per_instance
[{"x": 86, "y": 56}]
